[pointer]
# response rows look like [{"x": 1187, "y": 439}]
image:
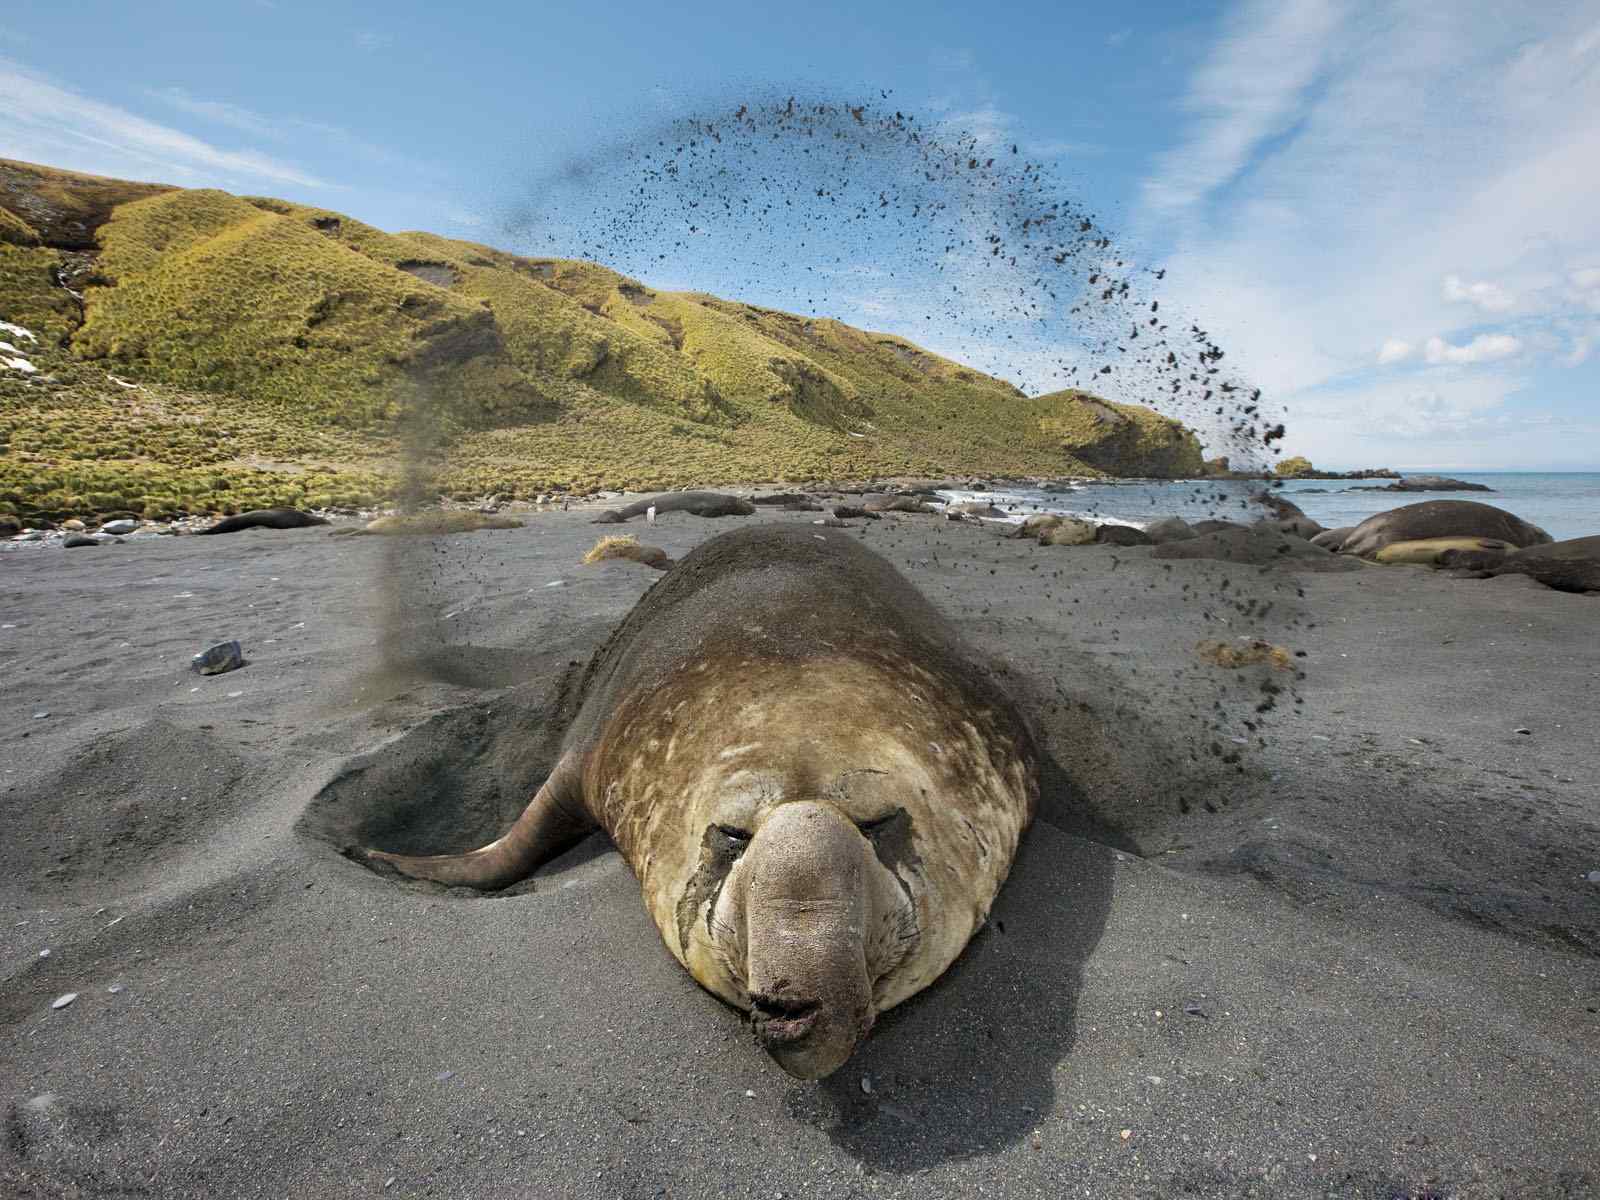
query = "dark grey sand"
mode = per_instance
[{"x": 1361, "y": 960}]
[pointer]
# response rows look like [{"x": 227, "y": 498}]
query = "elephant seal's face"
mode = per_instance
[
  {"x": 816, "y": 842},
  {"x": 803, "y": 910}
]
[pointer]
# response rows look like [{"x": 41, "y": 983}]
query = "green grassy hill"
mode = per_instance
[{"x": 198, "y": 350}]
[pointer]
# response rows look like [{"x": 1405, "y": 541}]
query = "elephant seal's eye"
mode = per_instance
[
  {"x": 875, "y": 827},
  {"x": 737, "y": 838}
]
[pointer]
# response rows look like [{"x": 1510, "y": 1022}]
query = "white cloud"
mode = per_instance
[
  {"x": 219, "y": 112},
  {"x": 1393, "y": 350},
  {"x": 51, "y": 123},
  {"x": 1486, "y": 296},
  {"x": 373, "y": 40},
  {"x": 1485, "y": 348},
  {"x": 1401, "y": 171},
  {"x": 278, "y": 128},
  {"x": 1585, "y": 285},
  {"x": 1251, "y": 89}
]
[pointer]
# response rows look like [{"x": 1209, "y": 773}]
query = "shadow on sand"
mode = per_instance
[{"x": 968, "y": 1066}]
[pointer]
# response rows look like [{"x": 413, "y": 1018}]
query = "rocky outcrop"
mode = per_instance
[
  {"x": 1121, "y": 439},
  {"x": 1428, "y": 483}
]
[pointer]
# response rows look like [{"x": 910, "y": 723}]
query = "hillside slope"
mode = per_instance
[{"x": 280, "y": 352}]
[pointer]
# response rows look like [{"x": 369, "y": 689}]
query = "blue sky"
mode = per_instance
[{"x": 1383, "y": 211}]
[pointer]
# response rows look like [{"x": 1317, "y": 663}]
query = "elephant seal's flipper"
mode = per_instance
[{"x": 554, "y": 820}]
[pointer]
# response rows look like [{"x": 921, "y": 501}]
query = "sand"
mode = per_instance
[{"x": 1351, "y": 953}]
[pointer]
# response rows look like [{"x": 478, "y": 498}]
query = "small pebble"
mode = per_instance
[
  {"x": 866, "y": 1084},
  {"x": 44, "y": 954},
  {"x": 41, "y": 714},
  {"x": 114, "y": 988},
  {"x": 1593, "y": 877},
  {"x": 750, "y": 1095},
  {"x": 444, "y": 1076},
  {"x": 63, "y": 1001},
  {"x": 1125, "y": 1134},
  {"x": 1522, "y": 729}
]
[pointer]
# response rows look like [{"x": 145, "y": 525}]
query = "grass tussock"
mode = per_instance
[
  {"x": 1232, "y": 657},
  {"x": 628, "y": 547}
]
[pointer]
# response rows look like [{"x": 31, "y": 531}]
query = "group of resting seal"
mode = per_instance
[{"x": 819, "y": 788}]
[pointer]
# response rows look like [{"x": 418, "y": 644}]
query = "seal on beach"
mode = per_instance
[
  {"x": 699, "y": 504},
  {"x": 1568, "y": 566},
  {"x": 907, "y": 504},
  {"x": 1333, "y": 539},
  {"x": 819, "y": 787},
  {"x": 265, "y": 518},
  {"x": 428, "y": 524},
  {"x": 1429, "y": 552},
  {"x": 1433, "y": 519}
]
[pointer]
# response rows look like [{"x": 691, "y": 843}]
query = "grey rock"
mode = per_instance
[{"x": 224, "y": 656}]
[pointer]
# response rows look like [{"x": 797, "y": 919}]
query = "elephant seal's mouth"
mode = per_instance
[{"x": 779, "y": 1021}]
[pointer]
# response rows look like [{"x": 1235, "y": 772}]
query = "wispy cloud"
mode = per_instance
[
  {"x": 219, "y": 112},
  {"x": 271, "y": 128},
  {"x": 50, "y": 122},
  {"x": 1363, "y": 185},
  {"x": 373, "y": 40},
  {"x": 1253, "y": 88}
]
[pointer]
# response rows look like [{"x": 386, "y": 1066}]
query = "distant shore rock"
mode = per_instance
[{"x": 1427, "y": 483}]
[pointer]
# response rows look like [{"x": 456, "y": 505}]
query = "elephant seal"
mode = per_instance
[
  {"x": 819, "y": 788},
  {"x": 1429, "y": 552},
  {"x": 428, "y": 524},
  {"x": 265, "y": 518},
  {"x": 1300, "y": 527},
  {"x": 907, "y": 504},
  {"x": 699, "y": 504},
  {"x": 1572, "y": 565},
  {"x": 1122, "y": 535},
  {"x": 1332, "y": 539},
  {"x": 1170, "y": 529},
  {"x": 1440, "y": 519}
]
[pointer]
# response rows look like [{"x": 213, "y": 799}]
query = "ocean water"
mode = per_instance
[{"x": 1565, "y": 504}]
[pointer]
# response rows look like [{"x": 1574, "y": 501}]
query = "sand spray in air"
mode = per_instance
[{"x": 968, "y": 243}]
